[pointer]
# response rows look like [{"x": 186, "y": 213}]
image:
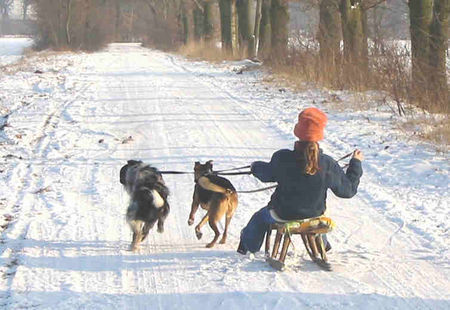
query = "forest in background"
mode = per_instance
[{"x": 394, "y": 46}]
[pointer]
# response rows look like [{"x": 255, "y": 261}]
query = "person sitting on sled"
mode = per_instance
[{"x": 303, "y": 175}]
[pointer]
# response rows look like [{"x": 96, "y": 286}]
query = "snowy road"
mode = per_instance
[
  {"x": 11, "y": 49},
  {"x": 65, "y": 245}
]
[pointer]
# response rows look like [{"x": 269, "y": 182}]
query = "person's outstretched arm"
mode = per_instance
[
  {"x": 263, "y": 171},
  {"x": 345, "y": 184}
]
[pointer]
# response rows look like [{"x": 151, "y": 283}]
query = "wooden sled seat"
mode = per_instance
[{"x": 310, "y": 230}]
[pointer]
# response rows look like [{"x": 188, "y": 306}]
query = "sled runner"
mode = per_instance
[{"x": 310, "y": 230}]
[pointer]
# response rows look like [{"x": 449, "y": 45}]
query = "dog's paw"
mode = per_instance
[
  {"x": 210, "y": 245},
  {"x": 190, "y": 222},
  {"x": 223, "y": 241},
  {"x": 160, "y": 229},
  {"x": 133, "y": 248},
  {"x": 199, "y": 235}
]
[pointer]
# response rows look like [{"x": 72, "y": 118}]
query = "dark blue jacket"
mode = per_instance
[{"x": 299, "y": 195}]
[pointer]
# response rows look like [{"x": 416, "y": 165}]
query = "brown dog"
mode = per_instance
[{"x": 217, "y": 196}]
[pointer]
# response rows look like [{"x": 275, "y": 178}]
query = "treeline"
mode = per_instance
[
  {"x": 242, "y": 25},
  {"x": 346, "y": 53},
  {"x": 354, "y": 54},
  {"x": 91, "y": 24},
  {"x": 73, "y": 24},
  {"x": 429, "y": 44}
]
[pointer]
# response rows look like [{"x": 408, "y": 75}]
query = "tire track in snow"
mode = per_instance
[{"x": 30, "y": 184}]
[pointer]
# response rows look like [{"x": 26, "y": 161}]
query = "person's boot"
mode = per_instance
[
  {"x": 327, "y": 246},
  {"x": 241, "y": 249}
]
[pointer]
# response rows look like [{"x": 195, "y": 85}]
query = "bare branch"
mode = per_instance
[
  {"x": 369, "y": 4},
  {"x": 200, "y": 7}
]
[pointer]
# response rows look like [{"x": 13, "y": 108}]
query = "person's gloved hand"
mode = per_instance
[
  {"x": 357, "y": 154},
  {"x": 252, "y": 168}
]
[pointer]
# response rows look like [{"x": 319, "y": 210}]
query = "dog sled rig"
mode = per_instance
[{"x": 311, "y": 230}]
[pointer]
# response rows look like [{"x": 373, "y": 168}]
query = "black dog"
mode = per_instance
[{"x": 148, "y": 199}]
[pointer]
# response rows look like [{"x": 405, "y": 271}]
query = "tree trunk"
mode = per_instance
[
  {"x": 69, "y": 16},
  {"x": 246, "y": 25},
  {"x": 265, "y": 29},
  {"x": 117, "y": 21},
  {"x": 365, "y": 43},
  {"x": 89, "y": 36},
  {"x": 228, "y": 23},
  {"x": 131, "y": 26},
  {"x": 420, "y": 14},
  {"x": 198, "y": 24},
  {"x": 329, "y": 33},
  {"x": 4, "y": 21},
  {"x": 187, "y": 22},
  {"x": 254, "y": 43},
  {"x": 208, "y": 23},
  {"x": 234, "y": 28},
  {"x": 225, "y": 24},
  {"x": 354, "y": 32},
  {"x": 279, "y": 24},
  {"x": 59, "y": 29},
  {"x": 25, "y": 5},
  {"x": 438, "y": 54}
]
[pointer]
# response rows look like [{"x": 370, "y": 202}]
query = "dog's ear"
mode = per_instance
[
  {"x": 197, "y": 164},
  {"x": 134, "y": 162},
  {"x": 123, "y": 174},
  {"x": 209, "y": 163}
]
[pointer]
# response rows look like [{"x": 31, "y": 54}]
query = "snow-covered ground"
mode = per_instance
[
  {"x": 11, "y": 49},
  {"x": 64, "y": 238}
]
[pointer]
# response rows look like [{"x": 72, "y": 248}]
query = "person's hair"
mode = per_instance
[{"x": 308, "y": 153}]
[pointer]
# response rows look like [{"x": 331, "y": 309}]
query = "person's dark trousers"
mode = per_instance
[
  {"x": 252, "y": 236},
  {"x": 326, "y": 243}
]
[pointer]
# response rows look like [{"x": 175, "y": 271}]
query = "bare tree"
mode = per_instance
[
  {"x": 354, "y": 32},
  {"x": 254, "y": 43},
  {"x": 421, "y": 15},
  {"x": 429, "y": 43},
  {"x": 279, "y": 18},
  {"x": 208, "y": 21},
  {"x": 25, "y": 5},
  {"x": 229, "y": 26},
  {"x": 438, "y": 53},
  {"x": 5, "y": 8},
  {"x": 72, "y": 24},
  {"x": 329, "y": 33},
  {"x": 246, "y": 23},
  {"x": 265, "y": 28}
]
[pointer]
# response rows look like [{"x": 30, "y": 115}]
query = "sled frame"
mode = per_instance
[{"x": 312, "y": 240}]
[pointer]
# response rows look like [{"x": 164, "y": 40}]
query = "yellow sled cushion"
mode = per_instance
[{"x": 315, "y": 225}]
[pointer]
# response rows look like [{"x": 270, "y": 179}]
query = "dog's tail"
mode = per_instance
[
  {"x": 151, "y": 196},
  {"x": 208, "y": 185}
]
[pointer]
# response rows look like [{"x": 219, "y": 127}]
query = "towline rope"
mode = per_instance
[
  {"x": 257, "y": 190},
  {"x": 175, "y": 172},
  {"x": 219, "y": 172},
  {"x": 224, "y": 172},
  {"x": 231, "y": 169}
]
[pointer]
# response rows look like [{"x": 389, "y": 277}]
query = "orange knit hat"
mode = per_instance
[{"x": 310, "y": 126}]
